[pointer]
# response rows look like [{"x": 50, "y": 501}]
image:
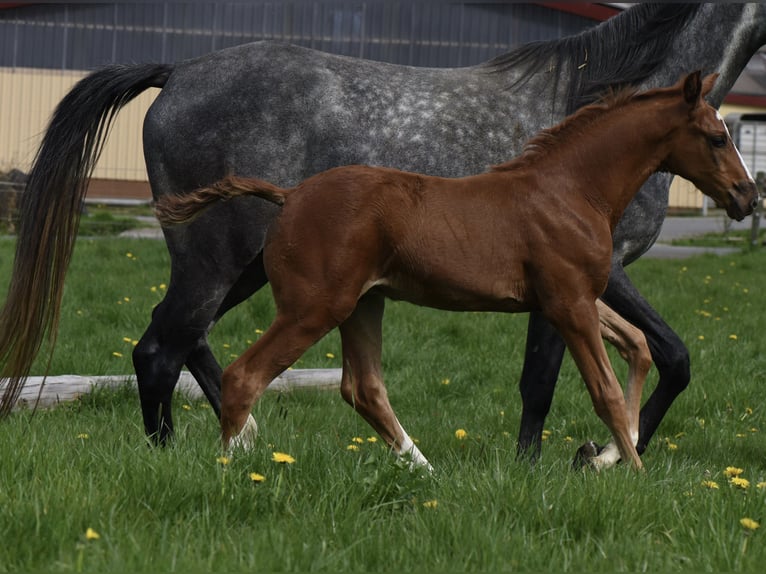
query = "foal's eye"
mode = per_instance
[{"x": 718, "y": 141}]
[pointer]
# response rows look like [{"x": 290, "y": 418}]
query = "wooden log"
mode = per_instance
[{"x": 50, "y": 391}]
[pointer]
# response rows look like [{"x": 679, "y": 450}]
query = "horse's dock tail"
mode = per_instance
[
  {"x": 177, "y": 209},
  {"x": 50, "y": 213}
]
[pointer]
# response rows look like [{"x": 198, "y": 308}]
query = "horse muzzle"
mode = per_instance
[{"x": 743, "y": 199}]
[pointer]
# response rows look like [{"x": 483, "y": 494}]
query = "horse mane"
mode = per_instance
[
  {"x": 622, "y": 51},
  {"x": 546, "y": 139}
]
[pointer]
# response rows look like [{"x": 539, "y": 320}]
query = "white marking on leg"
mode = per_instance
[
  {"x": 245, "y": 439},
  {"x": 409, "y": 447},
  {"x": 610, "y": 456}
]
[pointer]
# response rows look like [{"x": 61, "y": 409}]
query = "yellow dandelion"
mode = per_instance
[
  {"x": 732, "y": 471},
  {"x": 742, "y": 483},
  {"x": 749, "y": 523},
  {"x": 186, "y": 407},
  {"x": 163, "y": 286},
  {"x": 372, "y": 439},
  {"x": 127, "y": 339},
  {"x": 83, "y": 436},
  {"x": 357, "y": 439},
  {"x": 117, "y": 354},
  {"x": 282, "y": 458},
  {"x": 733, "y": 337},
  {"x": 460, "y": 434},
  {"x": 91, "y": 534},
  {"x": 259, "y": 331},
  {"x": 445, "y": 381},
  {"x": 700, "y": 337},
  {"x": 329, "y": 355},
  {"x": 352, "y": 447},
  {"x": 223, "y": 460},
  {"x": 761, "y": 484},
  {"x": 672, "y": 446},
  {"x": 546, "y": 434},
  {"x": 568, "y": 439},
  {"x": 255, "y": 477},
  {"x": 711, "y": 484},
  {"x": 153, "y": 288},
  {"x": 748, "y": 411},
  {"x": 126, "y": 299},
  {"x": 431, "y": 503},
  {"x": 129, "y": 255},
  {"x": 740, "y": 435}
]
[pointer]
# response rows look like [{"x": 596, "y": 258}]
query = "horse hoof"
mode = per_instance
[
  {"x": 585, "y": 455},
  {"x": 245, "y": 440}
]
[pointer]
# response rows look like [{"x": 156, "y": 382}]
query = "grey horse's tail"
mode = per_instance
[
  {"x": 177, "y": 209},
  {"x": 50, "y": 213}
]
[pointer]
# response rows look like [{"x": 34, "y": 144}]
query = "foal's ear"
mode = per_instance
[
  {"x": 693, "y": 88},
  {"x": 696, "y": 87}
]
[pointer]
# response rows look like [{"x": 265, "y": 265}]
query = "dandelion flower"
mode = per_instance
[
  {"x": 732, "y": 471},
  {"x": 711, "y": 484},
  {"x": 224, "y": 460},
  {"x": 672, "y": 446},
  {"x": 742, "y": 483},
  {"x": 568, "y": 439},
  {"x": 330, "y": 355},
  {"x": 186, "y": 407},
  {"x": 431, "y": 503},
  {"x": 255, "y": 477},
  {"x": 460, "y": 434},
  {"x": 83, "y": 435},
  {"x": 352, "y": 447},
  {"x": 701, "y": 337},
  {"x": 445, "y": 381},
  {"x": 117, "y": 354},
  {"x": 127, "y": 339},
  {"x": 91, "y": 534},
  {"x": 546, "y": 434},
  {"x": 282, "y": 458},
  {"x": 749, "y": 523},
  {"x": 357, "y": 439},
  {"x": 733, "y": 337},
  {"x": 372, "y": 439},
  {"x": 761, "y": 484}
]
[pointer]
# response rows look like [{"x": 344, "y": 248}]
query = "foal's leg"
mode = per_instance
[
  {"x": 580, "y": 327},
  {"x": 362, "y": 382},
  {"x": 631, "y": 344},
  {"x": 246, "y": 378}
]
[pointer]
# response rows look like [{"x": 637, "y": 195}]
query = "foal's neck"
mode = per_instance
[{"x": 618, "y": 153}]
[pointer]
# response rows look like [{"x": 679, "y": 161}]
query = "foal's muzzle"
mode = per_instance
[{"x": 743, "y": 199}]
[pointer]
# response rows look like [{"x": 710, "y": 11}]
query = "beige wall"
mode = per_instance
[
  {"x": 28, "y": 97},
  {"x": 27, "y": 100}
]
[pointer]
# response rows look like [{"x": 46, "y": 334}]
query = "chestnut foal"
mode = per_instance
[{"x": 533, "y": 233}]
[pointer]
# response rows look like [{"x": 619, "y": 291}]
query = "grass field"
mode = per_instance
[{"x": 81, "y": 491}]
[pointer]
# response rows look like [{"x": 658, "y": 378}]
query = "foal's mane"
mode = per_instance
[
  {"x": 622, "y": 51},
  {"x": 574, "y": 125}
]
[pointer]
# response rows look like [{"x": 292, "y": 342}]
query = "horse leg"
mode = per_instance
[
  {"x": 631, "y": 344},
  {"x": 244, "y": 381},
  {"x": 362, "y": 380},
  {"x": 670, "y": 355},
  {"x": 542, "y": 361},
  {"x": 579, "y": 325},
  {"x": 201, "y": 362}
]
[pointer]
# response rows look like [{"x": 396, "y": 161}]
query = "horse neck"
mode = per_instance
[
  {"x": 722, "y": 37},
  {"x": 617, "y": 154}
]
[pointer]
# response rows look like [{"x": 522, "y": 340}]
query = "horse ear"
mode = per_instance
[
  {"x": 693, "y": 88},
  {"x": 707, "y": 83}
]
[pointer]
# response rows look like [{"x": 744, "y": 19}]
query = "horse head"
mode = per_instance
[{"x": 704, "y": 153}]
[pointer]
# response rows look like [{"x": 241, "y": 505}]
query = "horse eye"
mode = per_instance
[{"x": 718, "y": 141}]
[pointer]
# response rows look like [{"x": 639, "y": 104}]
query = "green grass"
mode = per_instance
[{"x": 86, "y": 464}]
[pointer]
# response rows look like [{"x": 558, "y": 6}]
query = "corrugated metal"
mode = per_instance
[{"x": 46, "y": 48}]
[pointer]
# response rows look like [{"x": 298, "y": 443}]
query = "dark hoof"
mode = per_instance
[{"x": 585, "y": 455}]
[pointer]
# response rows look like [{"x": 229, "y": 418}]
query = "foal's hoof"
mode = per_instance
[
  {"x": 585, "y": 455},
  {"x": 245, "y": 440}
]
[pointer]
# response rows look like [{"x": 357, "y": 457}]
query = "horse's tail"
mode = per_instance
[
  {"x": 50, "y": 213},
  {"x": 176, "y": 209}
]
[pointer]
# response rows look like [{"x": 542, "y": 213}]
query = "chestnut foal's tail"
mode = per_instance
[
  {"x": 176, "y": 209},
  {"x": 50, "y": 213}
]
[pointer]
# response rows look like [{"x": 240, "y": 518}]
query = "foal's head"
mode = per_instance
[{"x": 704, "y": 153}]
